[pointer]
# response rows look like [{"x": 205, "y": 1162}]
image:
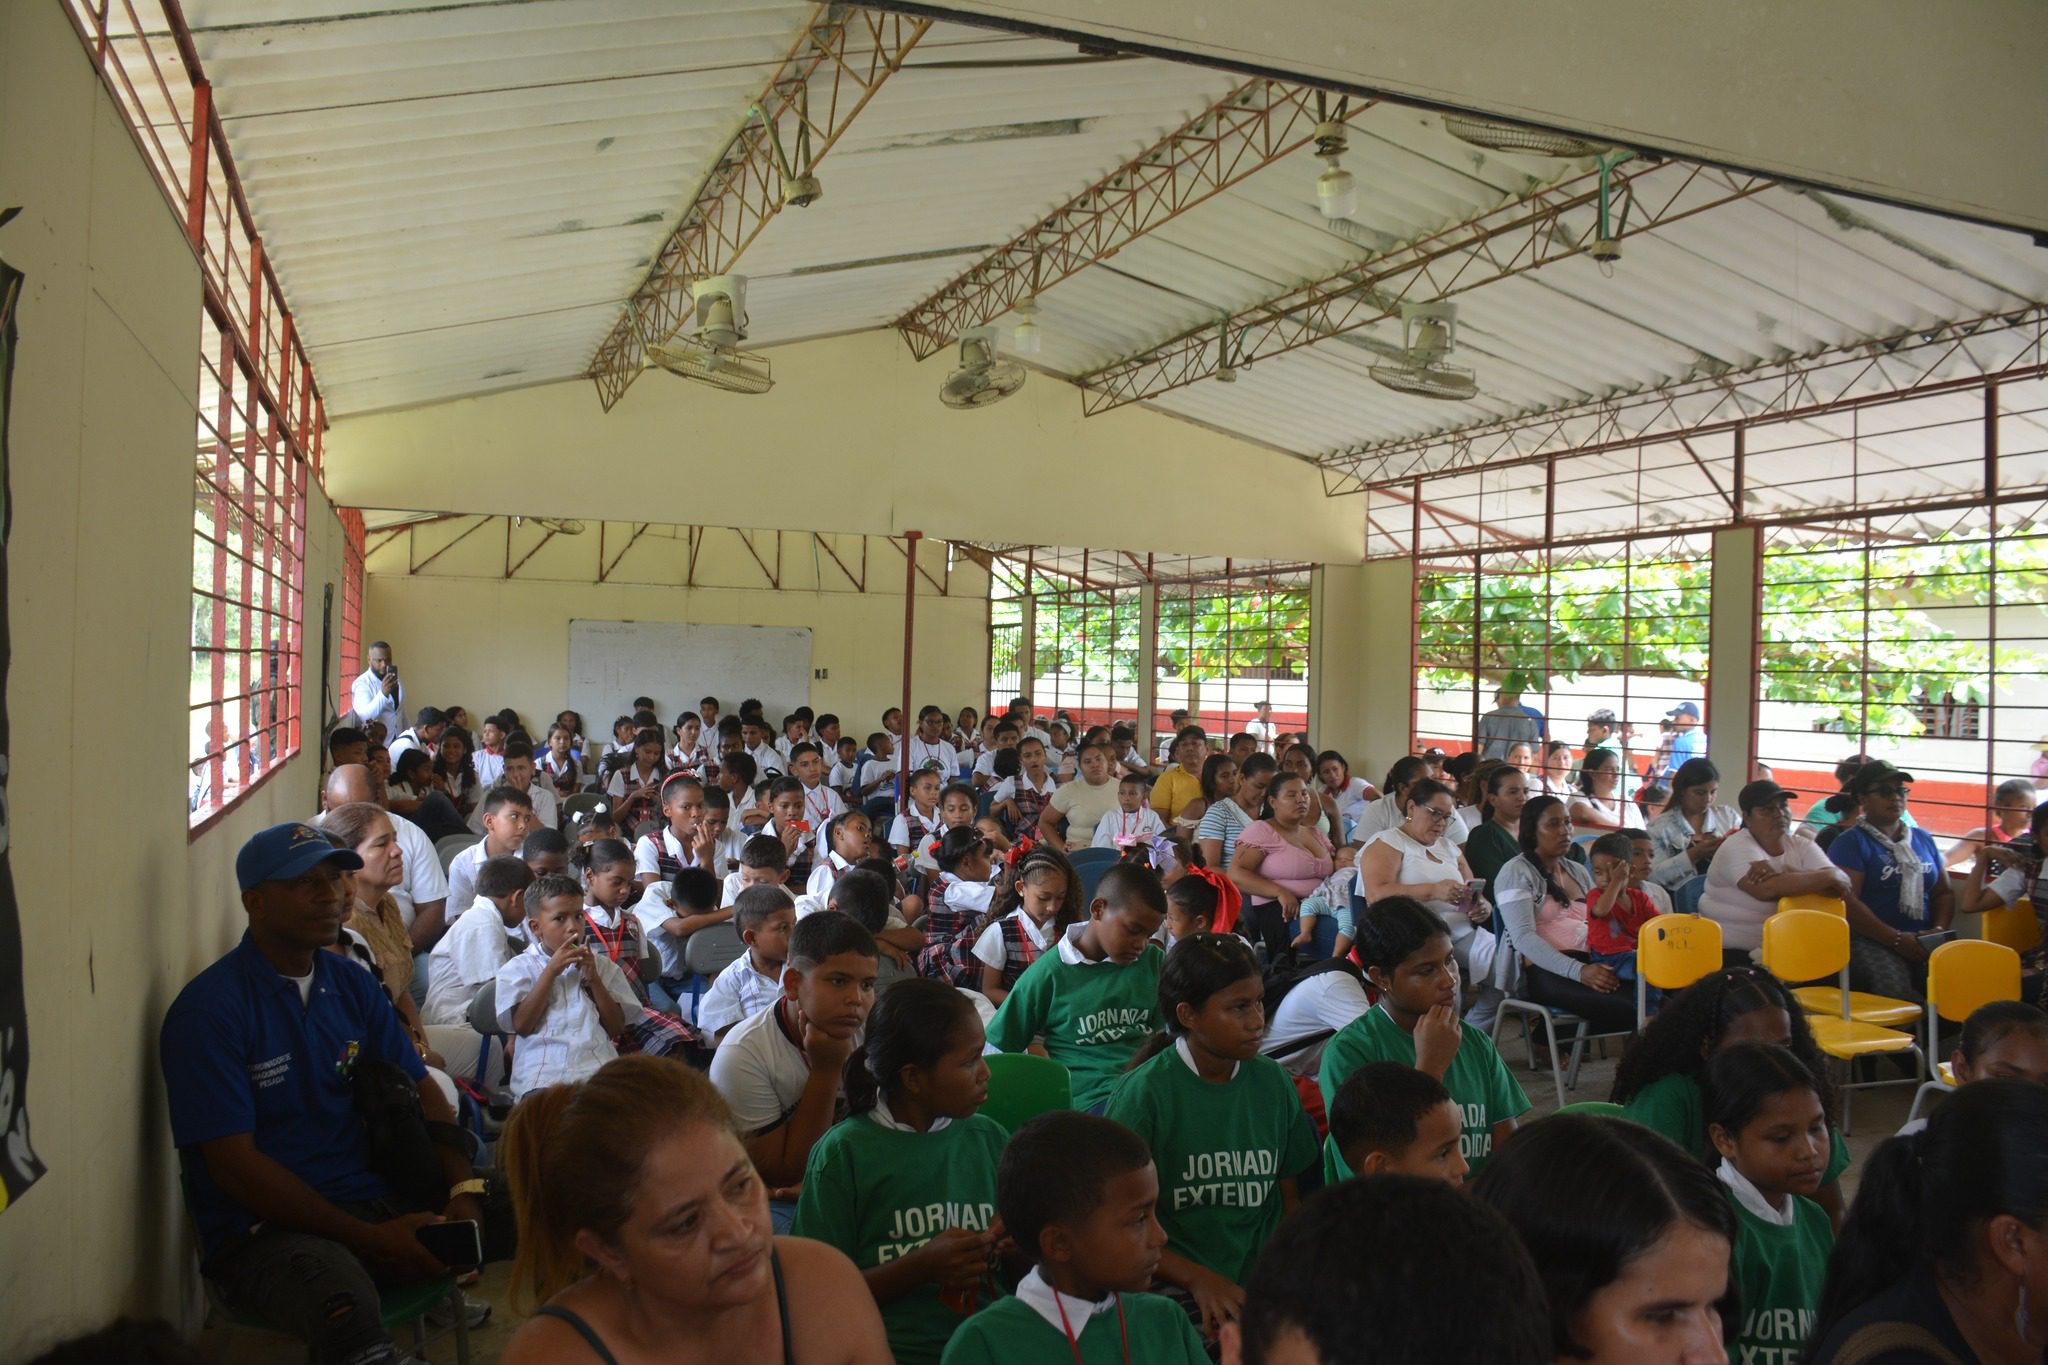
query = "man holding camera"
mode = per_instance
[
  {"x": 271, "y": 1057},
  {"x": 377, "y": 694}
]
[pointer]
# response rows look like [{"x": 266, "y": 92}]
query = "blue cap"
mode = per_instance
[
  {"x": 1684, "y": 708},
  {"x": 286, "y": 851}
]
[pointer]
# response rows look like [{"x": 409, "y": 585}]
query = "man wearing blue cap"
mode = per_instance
[
  {"x": 1688, "y": 740},
  {"x": 259, "y": 1053}
]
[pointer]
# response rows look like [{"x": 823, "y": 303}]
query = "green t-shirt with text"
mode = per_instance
[
  {"x": 1011, "y": 1332},
  {"x": 1094, "y": 1017},
  {"x": 1477, "y": 1078},
  {"x": 1674, "y": 1106},
  {"x": 880, "y": 1193},
  {"x": 1779, "y": 1271},
  {"x": 1220, "y": 1149}
]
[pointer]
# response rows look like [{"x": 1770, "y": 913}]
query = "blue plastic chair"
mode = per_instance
[{"x": 1091, "y": 863}]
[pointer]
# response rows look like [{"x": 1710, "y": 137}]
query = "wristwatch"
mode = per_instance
[{"x": 475, "y": 1185}]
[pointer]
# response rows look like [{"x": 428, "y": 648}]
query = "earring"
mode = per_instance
[{"x": 2023, "y": 1321}]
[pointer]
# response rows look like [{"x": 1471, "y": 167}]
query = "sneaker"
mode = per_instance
[{"x": 439, "y": 1318}]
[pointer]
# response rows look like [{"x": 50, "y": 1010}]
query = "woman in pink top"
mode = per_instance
[{"x": 1281, "y": 859}]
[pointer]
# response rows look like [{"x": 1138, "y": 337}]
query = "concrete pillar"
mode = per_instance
[
  {"x": 1731, "y": 657},
  {"x": 1362, "y": 661},
  {"x": 1148, "y": 663},
  {"x": 1027, "y": 650}
]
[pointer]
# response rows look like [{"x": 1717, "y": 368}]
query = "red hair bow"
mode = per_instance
[
  {"x": 1020, "y": 850},
  {"x": 1229, "y": 900}
]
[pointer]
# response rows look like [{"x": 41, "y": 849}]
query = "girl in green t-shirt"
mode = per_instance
[
  {"x": 906, "y": 1184},
  {"x": 1407, "y": 954},
  {"x": 1765, "y": 1118},
  {"x": 1659, "y": 1082},
  {"x": 1225, "y": 1125}
]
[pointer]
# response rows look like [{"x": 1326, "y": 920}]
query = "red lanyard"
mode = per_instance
[
  {"x": 1025, "y": 946},
  {"x": 611, "y": 945},
  {"x": 1074, "y": 1344},
  {"x": 821, "y": 814}
]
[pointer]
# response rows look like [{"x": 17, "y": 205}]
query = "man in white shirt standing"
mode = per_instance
[
  {"x": 1262, "y": 728},
  {"x": 377, "y": 694}
]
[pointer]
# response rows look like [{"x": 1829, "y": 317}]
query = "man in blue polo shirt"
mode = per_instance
[{"x": 258, "y": 1053}]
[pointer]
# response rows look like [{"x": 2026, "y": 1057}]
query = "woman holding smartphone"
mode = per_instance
[{"x": 1417, "y": 858}]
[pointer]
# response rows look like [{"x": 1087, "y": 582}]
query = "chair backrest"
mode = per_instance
[
  {"x": 483, "y": 1010},
  {"x": 1805, "y": 945},
  {"x": 1814, "y": 900},
  {"x": 1090, "y": 864},
  {"x": 1968, "y": 972},
  {"x": 1022, "y": 1086},
  {"x": 448, "y": 846},
  {"x": 582, "y": 803},
  {"x": 1673, "y": 951},
  {"x": 2016, "y": 926},
  {"x": 713, "y": 948}
]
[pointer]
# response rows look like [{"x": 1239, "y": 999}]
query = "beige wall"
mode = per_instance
[
  {"x": 1839, "y": 92},
  {"x": 1363, "y": 653},
  {"x": 853, "y": 439},
  {"x": 117, "y": 909},
  {"x": 465, "y": 634}
]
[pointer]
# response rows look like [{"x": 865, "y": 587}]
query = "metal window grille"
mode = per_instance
[
  {"x": 353, "y": 535},
  {"x": 1228, "y": 642}
]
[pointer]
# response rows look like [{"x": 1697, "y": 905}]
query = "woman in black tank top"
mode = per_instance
[{"x": 644, "y": 1235}]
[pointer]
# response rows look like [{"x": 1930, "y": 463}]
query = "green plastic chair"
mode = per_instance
[
  {"x": 1022, "y": 1086},
  {"x": 1599, "y": 1109}
]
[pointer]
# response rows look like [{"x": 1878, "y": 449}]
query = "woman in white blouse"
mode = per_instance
[
  {"x": 1417, "y": 858},
  {"x": 1598, "y": 803},
  {"x": 1759, "y": 863},
  {"x": 1684, "y": 837}
]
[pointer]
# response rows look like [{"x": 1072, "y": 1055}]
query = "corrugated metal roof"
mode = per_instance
[{"x": 458, "y": 197}]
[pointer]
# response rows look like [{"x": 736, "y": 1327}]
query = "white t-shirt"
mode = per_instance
[
  {"x": 1264, "y": 731},
  {"x": 653, "y": 910},
  {"x": 1084, "y": 805},
  {"x": 462, "y": 872},
  {"x": 875, "y": 771},
  {"x": 570, "y": 1044},
  {"x": 545, "y": 810},
  {"x": 1741, "y": 915},
  {"x": 737, "y": 992},
  {"x": 1327, "y": 1000},
  {"x": 1352, "y": 800},
  {"x": 940, "y": 755},
  {"x": 1385, "y": 813},
  {"x": 424, "y": 879},
  {"x": 468, "y": 955},
  {"x": 1118, "y": 828},
  {"x": 760, "y": 1072}
]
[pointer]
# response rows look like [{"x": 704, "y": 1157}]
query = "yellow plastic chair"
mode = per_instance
[
  {"x": 1814, "y": 900},
  {"x": 1672, "y": 952},
  {"x": 1808, "y": 945},
  {"x": 1963, "y": 976},
  {"x": 2015, "y": 926}
]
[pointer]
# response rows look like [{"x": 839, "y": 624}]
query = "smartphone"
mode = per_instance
[
  {"x": 1935, "y": 938},
  {"x": 457, "y": 1244},
  {"x": 1475, "y": 891}
]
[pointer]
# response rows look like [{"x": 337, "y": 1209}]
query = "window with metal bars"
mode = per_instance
[
  {"x": 1576, "y": 630},
  {"x": 351, "y": 625},
  {"x": 248, "y": 579},
  {"x": 1919, "y": 638},
  {"x": 1226, "y": 644}
]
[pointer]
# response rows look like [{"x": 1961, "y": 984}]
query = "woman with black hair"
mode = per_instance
[
  {"x": 1631, "y": 1237},
  {"x": 1692, "y": 826},
  {"x": 1496, "y": 840},
  {"x": 1389, "y": 810},
  {"x": 1541, "y": 899},
  {"x": 1944, "y": 1256},
  {"x": 1660, "y": 1082},
  {"x": 1599, "y": 803}
]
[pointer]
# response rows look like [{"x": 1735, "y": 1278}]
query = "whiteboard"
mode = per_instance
[{"x": 676, "y": 663}]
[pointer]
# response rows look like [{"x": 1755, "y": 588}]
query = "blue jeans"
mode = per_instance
[{"x": 1623, "y": 965}]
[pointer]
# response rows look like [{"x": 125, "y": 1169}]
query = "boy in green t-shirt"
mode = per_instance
[
  {"x": 1079, "y": 1195},
  {"x": 1390, "y": 1119},
  {"x": 1095, "y": 999}
]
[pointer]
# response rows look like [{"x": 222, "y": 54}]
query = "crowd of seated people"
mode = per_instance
[{"x": 1266, "y": 988}]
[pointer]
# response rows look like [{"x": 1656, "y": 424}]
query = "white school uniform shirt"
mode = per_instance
[
  {"x": 821, "y": 805},
  {"x": 424, "y": 879},
  {"x": 735, "y": 993},
  {"x": 462, "y": 872},
  {"x": 690, "y": 760},
  {"x": 468, "y": 955},
  {"x": 1120, "y": 828},
  {"x": 830, "y": 869},
  {"x": 550, "y": 767},
  {"x": 760, "y": 1072},
  {"x": 725, "y": 854},
  {"x": 805, "y": 842},
  {"x": 546, "y": 810},
  {"x": 1009, "y": 786},
  {"x": 570, "y": 1044},
  {"x": 985, "y": 766},
  {"x": 768, "y": 761},
  {"x": 631, "y": 779},
  {"x": 487, "y": 766},
  {"x": 940, "y": 755},
  {"x": 1037, "y": 732},
  {"x": 647, "y": 850},
  {"x": 876, "y": 770},
  {"x": 407, "y": 740},
  {"x": 990, "y": 947},
  {"x": 733, "y": 886},
  {"x": 652, "y": 911},
  {"x": 928, "y": 826}
]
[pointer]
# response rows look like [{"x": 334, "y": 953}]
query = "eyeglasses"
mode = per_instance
[
  {"x": 1437, "y": 814},
  {"x": 1896, "y": 793}
]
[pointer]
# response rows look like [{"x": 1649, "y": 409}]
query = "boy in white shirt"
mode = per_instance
[
  {"x": 878, "y": 771},
  {"x": 564, "y": 1002},
  {"x": 764, "y": 861},
  {"x": 669, "y": 912},
  {"x": 516, "y": 770},
  {"x": 507, "y": 818},
  {"x": 482, "y": 939},
  {"x": 752, "y": 982},
  {"x": 726, "y": 842},
  {"x": 781, "y": 1070},
  {"x": 845, "y": 771},
  {"x": 821, "y": 803},
  {"x": 489, "y": 760},
  {"x": 1133, "y": 821},
  {"x": 754, "y": 737},
  {"x": 796, "y": 729},
  {"x": 1006, "y": 738}
]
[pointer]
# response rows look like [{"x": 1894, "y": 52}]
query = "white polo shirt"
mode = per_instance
[
  {"x": 468, "y": 955},
  {"x": 570, "y": 1044}
]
